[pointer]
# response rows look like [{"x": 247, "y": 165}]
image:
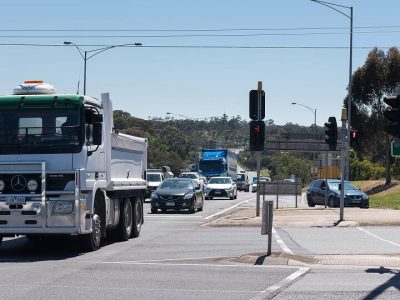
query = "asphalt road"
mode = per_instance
[{"x": 178, "y": 256}]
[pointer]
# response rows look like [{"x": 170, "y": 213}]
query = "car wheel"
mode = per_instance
[
  {"x": 331, "y": 201},
  {"x": 154, "y": 210},
  {"x": 192, "y": 208},
  {"x": 201, "y": 207},
  {"x": 210, "y": 198},
  {"x": 206, "y": 198},
  {"x": 310, "y": 203}
]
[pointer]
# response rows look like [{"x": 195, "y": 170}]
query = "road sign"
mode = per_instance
[{"x": 395, "y": 149}]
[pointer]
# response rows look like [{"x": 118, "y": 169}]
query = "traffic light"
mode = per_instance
[
  {"x": 256, "y": 111},
  {"x": 353, "y": 138},
  {"x": 331, "y": 133},
  {"x": 257, "y": 135},
  {"x": 392, "y": 114}
]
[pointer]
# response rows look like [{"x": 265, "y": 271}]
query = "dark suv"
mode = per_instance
[{"x": 242, "y": 182}]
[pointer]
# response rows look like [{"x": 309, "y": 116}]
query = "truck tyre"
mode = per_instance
[
  {"x": 91, "y": 241},
  {"x": 137, "y": 217},
  {"x": 124, "y": 228}
]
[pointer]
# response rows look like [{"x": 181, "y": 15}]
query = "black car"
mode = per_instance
[
  {"x": 318, "y": 189},
  {"x": 177, "y": 194}
]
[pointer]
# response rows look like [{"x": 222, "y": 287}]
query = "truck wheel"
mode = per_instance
[
  {"x": 137, "y": 217},
  {"x": 124, "y": 228},
  {"x": 91, "y": 241}
]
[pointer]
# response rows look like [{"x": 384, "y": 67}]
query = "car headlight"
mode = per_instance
[
  {"x": 62, "y": 207},
  {"x": 2, "y": 185},
  {"x": 32, "y": 185},
  {"x": 154, "y": 196},
  {"x": 207, "y": 189},
  {"x": 188, "y": 196},
  {"x": 230, "y": 189},
  {"x": 365, "y": 197}
]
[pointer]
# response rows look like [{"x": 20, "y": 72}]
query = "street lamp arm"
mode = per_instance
[
  {"x": 100, "y": 50},
  {"x": 332, "y": 6},
  {"x": 309, "y": 108},
  {"x": 77, "y": 48}
]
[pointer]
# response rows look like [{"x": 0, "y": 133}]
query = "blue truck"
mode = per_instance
[{"x": 218, "y": 162}]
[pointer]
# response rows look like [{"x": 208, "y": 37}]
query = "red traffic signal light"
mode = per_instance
[
  {"x": 353, "y": 138},
  {"x": 257, "y": 135}
]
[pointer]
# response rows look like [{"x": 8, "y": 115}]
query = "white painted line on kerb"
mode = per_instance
[
  {"x": 222, "y": 211},
  {"x": 281, "y": 242},
  {"x": 281, "y": 284},
  {"x": 378, "y": 237}
]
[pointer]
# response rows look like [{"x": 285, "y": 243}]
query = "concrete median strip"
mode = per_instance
[{"x": 311, "y": 217}]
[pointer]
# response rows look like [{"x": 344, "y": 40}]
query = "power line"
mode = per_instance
[
  {"x": 198, "y": 30},
  {"x": 195, "y": 35},
  {"x": 199, "y": 46}
]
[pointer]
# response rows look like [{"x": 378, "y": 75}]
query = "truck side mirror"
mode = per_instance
[{"x": 97, "y": 133}]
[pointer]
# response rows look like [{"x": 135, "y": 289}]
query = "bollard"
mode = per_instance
[{"x": 267, "y": 221}]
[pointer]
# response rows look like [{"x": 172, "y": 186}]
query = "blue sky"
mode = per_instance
[{"x": 163, "y": 76}]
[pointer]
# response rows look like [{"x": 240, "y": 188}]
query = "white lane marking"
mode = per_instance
[
  {"x": 378, "y": 237},
  {"x": 281, "y": 284},
  {"x": 281, "y": 242},
  {"x": 222, "y": 211},
  {"x": 170, "y": 216}
]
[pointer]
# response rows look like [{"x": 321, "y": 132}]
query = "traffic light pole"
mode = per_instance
[
  {"x": 258, "y": 153},
  {"x": 343, "y": 169}
]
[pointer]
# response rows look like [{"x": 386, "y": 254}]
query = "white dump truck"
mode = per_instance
[{"x": 64, "y": 171}]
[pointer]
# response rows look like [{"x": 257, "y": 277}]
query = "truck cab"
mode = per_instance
[{"x": 64, "y": 171}]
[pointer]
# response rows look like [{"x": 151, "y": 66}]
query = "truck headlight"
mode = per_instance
[
  {"x": 62, "y": 207},
  {"x": 32, "y": 185},
  {"x": 2, "y": 185}
]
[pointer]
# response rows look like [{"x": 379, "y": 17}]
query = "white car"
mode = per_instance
[{"x": 221, "y": 187}]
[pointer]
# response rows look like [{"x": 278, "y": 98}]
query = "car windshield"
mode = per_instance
[
  {"x": 241, "y": 177},
  {"x": 154, "y": 177},
  {"x": 176, "y": 184},
  {"x": 217, "y": 180},
  {"x": 188, "y": 175},
  {"x": 347, "y": 186}
]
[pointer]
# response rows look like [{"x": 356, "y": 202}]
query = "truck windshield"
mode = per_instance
[
  {"x": 153, "y": 177},
  {"x": 210, "y": 165},
  {"x": 27, "y": 130},
  {"x": 241, "y": 177}
]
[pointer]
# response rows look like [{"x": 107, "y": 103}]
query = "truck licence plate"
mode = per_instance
[{"x": 10, "y": 200}]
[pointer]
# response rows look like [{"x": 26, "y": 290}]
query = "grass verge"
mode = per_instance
[{"x": 389, "y": 201}]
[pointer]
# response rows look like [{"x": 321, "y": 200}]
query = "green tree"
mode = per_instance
[{"x": 377, "y": 78}]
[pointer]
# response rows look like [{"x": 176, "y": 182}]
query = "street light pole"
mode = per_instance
[
  {"x": 314, "y": 111},
  {"x": 334, "y": 6},
  {"x": 94, "y": 52}
]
